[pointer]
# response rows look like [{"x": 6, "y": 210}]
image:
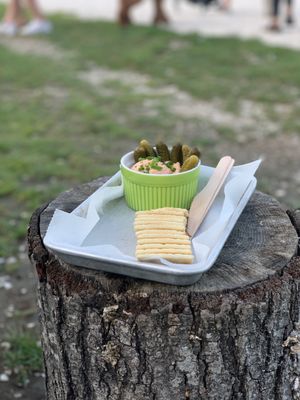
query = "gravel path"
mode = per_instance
[{"x": 247, "y": 18}]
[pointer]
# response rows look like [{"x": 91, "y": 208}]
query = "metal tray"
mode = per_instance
[{"x": 86, "y": 255}]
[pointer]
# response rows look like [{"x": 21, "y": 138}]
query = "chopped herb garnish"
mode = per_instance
[
  {"x": 157, "y": 167},
  {"x": 154, "y": 164},
  {"x": 154, "y": 159}
]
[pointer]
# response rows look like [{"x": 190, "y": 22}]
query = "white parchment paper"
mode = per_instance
[{"x": 103, "y": 225}]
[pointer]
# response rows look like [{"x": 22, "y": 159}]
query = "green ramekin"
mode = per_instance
[{"x": 146, "y": 192}]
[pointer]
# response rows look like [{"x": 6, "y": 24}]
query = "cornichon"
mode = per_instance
[
  {"x": 190, "y": 162},
  {"x": 185, "y": 152},
  {"x": 138, "y": 153},
  {"x": 148, "y": 148},
  {"x": 176, "y": 153},
  {"x": 195, "y": 151},
  {"x": 163, "y": 151}
]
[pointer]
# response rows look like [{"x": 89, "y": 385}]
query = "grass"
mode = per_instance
[
  {"x": 24, "y": 356},
  {"x": 58, "y": 130},
  {"x": 206, "y": 68}
]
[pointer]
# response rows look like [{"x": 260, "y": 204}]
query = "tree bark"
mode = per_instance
[{"x": 235, "y": 334}]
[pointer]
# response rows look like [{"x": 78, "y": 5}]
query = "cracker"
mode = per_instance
[
  {"x": 161, "y": 218},
  {"x": 146, "y": 237},
  {"x": 151, "y": 214},
  {"x": 175, "y": 258},
  {"x": 165, "y": 211},
  {"x": 162, "y": 250},
  {"x": 161, "y": 233},
  {"x": 162, "y": 240},
  {"x": 165, "y": 246},
  {"x": 149, "y": 227}
]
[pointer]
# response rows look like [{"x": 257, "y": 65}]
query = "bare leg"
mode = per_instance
[
  {"x": 125, "y": 6},
  {"x": 225, "y": 5},
  {"x": 274, "y": 16},
  {"x": 274, "y": 23},
  {"x": 289, "y": 12},
  {"x": 13, "y": 11},
  {"x": 35, "y": 10},
  {"x": 160, "y": 16}
]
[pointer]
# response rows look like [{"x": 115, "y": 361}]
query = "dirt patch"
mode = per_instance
[
  {"x": 97, "y": 76},
  {"x": 177, "y": 44},
  {"x": 33, "y": 391},
  {"x": 182, "y": 104},
  {"x": 249, "y": 112},
  {"x": 33, "y": 46}
]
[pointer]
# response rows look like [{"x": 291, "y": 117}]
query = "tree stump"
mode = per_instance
[{"x": 232, "y": 335}]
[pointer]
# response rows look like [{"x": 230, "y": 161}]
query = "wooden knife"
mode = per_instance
[{"x": 204, "y": 200}]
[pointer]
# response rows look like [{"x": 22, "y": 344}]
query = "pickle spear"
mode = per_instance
[
  {"x": 163, "y": 151},
  {"x": 185, "y": 152},
  {"x": 138, "y": 153},
  {"x": 190, "y": 163},
  {"x": 148, "y": 148},
  {"x": 195, "y": 151},
  {"x": 176, "y": 153}
]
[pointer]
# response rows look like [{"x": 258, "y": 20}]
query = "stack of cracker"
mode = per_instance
[{"x": 161, "y": 233}]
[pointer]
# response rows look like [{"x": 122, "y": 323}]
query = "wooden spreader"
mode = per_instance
[{"x": 234, "y": 334}]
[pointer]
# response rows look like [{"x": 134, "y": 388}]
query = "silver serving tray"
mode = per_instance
[{"x": 175, "y": 274}]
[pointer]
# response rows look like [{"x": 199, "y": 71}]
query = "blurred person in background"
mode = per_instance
[
  {"x": 275, "y": 8},
  {"x": 225, "y": 5},
  {"x": 15, "y": 22},
  {"x": 125, "y": 6}
]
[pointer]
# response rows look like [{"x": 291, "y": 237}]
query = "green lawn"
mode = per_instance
[
  {"x": 206, "y": 68},
  {"x": 24, "y": 356},
  {"x": 58, "y": 130}
]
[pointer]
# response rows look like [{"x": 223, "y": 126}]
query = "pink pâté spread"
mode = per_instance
[{"x": 153, "y": 165}]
